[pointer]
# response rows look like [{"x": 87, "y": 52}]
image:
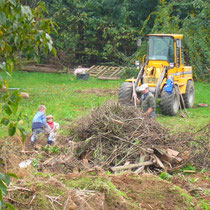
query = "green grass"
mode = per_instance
[
  {"x": 197, "y": 117},
  {"x": 57, "y": 93}
]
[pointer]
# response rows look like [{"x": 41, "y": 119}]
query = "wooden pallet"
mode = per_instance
[{"x": 106, "y": 72}]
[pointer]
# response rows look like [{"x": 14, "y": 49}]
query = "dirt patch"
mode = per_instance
[
  {"x": 94, "y": 189},
  {"x": 151, "y": 193},
  {"x": 66, "y": 176},
  {"x": 196, "y": 184},
  {"x": 99, "y": 92},
  {"x": 13, "y": 152}
]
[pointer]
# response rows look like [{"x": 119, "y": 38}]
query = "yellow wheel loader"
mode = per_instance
[{"x": 164, "y": 63}]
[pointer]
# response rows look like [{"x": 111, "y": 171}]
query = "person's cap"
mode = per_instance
[
  {"x": 49, "y": 117},
  {"x": 142, "y": 88}
]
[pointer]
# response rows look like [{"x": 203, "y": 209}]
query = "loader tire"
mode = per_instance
[
  {"x": 125, "y": 93},
  {"x": 169, "y": 103},
  {"x": 189, "y": 96}
]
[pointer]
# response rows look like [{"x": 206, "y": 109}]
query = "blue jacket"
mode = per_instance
[
  {"x": 169, "y": 86},
  {"x": 39, "y": 120}
]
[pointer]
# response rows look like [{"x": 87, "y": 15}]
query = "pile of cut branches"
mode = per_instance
[
  {"x": 117, "y": 137},
  {"x": 122, "y": 137}
]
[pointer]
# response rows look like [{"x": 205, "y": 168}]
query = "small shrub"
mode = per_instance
[
  {"x": 165, "y": 176},
  {"x": 131, "y": 72},
  {"x": 204, "y": 204},
  {"x": 55, "y": 150},
  {"x": 35, "y": 162},
  {"x": 194, "y": 180},
  {"x": 52, "y": 150},
  {"x": 188, "y": 168}
]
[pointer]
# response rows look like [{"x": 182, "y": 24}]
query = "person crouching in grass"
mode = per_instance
[
  {"x": 51, "y": 130},
  {"x": 39, "y": 123}
]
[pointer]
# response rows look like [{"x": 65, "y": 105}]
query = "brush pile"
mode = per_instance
[{"x": 119, "y": 137}]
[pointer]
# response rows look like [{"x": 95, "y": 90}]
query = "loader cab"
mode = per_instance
[
  {"x": 161, "y": 48},
  {"x": 165, "y": 49}
]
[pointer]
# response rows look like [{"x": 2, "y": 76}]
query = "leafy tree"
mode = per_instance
[
  {"x": 23, "y": 32},
  {"x": 191, "y": 19},
  {"x": 99, "y": 31},
  {"x": 30, "y": 3},
  {"x": 105, "y": 31}
]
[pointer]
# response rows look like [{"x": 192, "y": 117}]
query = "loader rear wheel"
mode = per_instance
[
  {"x": 169, "y": 103},
  {"x": 125, "y": 93},
  {"x": 189, "y": 96}
]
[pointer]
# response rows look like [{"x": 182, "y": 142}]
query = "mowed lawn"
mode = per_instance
[
  {"x": 62, "y": 94},
  {"x": 64, "y": 98}
]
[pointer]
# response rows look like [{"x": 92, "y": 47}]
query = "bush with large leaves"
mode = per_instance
[
  {"x": 23, "y": 32},
  {"x": 4, "y": 183}
]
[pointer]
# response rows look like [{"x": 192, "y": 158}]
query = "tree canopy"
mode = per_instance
[
  {"x": 105, "y": 31},
  {"x": 191, "y": 20},
  {"x": 102, "y": 31}
]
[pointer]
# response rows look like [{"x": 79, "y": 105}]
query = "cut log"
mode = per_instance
[
  {"x": 166, "y": 155},
  {"x": 126, "y": 163},
  {"x": 158, "y": 162},
  {"x": 140, "y": 169},
  {"x": 118, "y": 122},
  {"x": 172, "y": 152},
  {"x": 189, "y": 171},
  {"x": 159, "y": 151},
  {"x": 48, "y": 161},
  {"x": 150, "y": 151},
  {"x": 142, "y": 159},
  {"x": 85, "y": 161},
  {"x": 136, "y": 165}
]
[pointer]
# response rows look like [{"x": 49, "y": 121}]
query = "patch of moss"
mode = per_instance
[
  {"x": 204, "y": 204},
  {"x": 188, "y": 198},
  {"x": 104, "y": 185},
  {"x": 51, "y": 189},
  {"x": 41, "y": 201}
]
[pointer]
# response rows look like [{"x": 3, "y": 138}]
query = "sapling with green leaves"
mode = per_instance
[{"x": 24, "y": 32}]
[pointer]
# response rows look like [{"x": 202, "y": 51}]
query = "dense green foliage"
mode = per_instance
[
  {"x": 23, "y": 32},
  {"x": 105, "y": 31},
  {"x": 191, "y": 19}
]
